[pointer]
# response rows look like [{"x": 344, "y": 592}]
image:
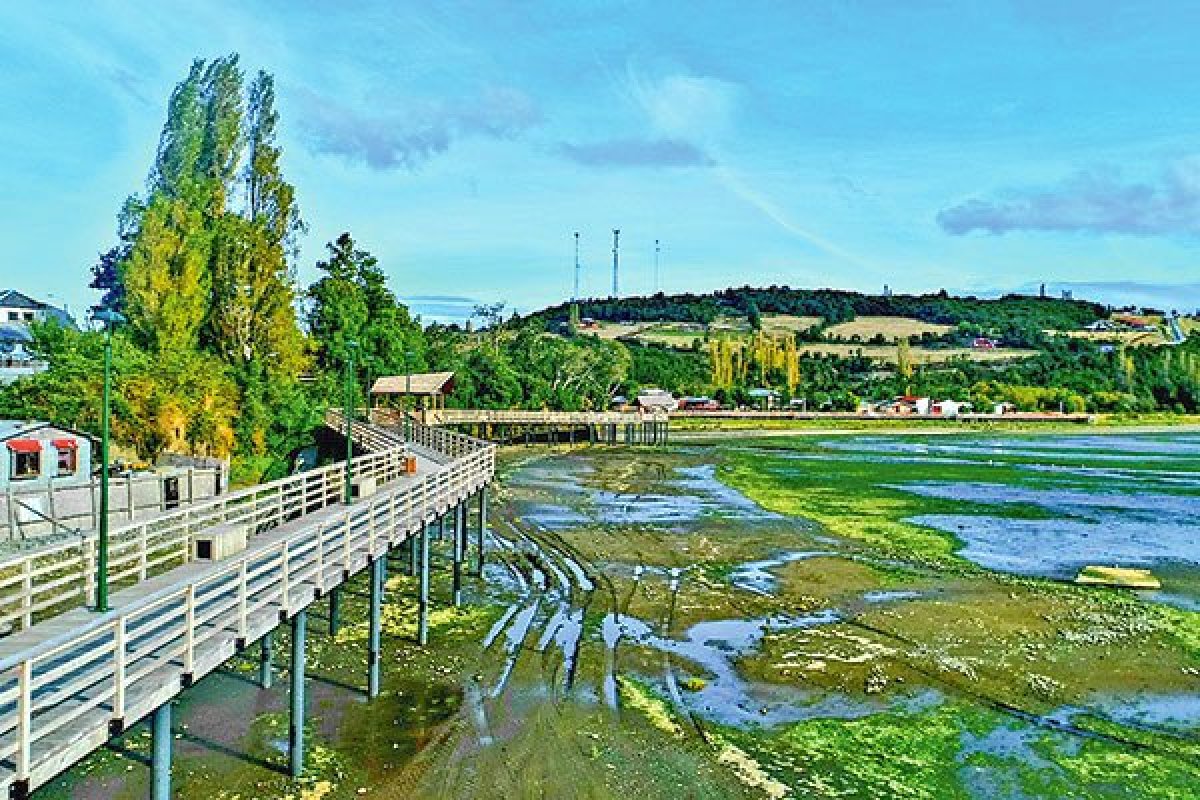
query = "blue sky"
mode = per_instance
[{"x": 972, "y": 146}]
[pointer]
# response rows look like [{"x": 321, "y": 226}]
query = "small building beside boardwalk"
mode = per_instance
[
  {"x": 427, "y": 389},
  {"x": 38, "y": 453}
]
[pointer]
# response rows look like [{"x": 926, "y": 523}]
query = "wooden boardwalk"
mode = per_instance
[{"x": 70, "y": 677}]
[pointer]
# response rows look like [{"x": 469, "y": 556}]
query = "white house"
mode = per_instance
[
  {"x": 651, "y": 399},
  {"x": 38, "y": 453},
  {"x": 17, "y": 311}
]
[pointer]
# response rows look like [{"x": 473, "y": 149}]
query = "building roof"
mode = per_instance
[
  {"x": 11, "y": 298},
  {"x": 419, "y": 383},
  {"x": 11, "y": 332}
]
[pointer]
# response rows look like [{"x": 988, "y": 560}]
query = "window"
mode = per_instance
[
  {"x": 68, "y": 455},
  {"x": 26, "y": 466},
  {"x": 29, "y": 316},
  {"x": 13, "y": 316},
  {"x": 26, "y": 459}
]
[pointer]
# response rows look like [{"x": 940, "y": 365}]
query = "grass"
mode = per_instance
[
  {"x": 1130, "y": 338},
  {"x": 891, "y": 328}
]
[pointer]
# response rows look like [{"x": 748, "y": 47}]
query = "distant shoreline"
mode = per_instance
[{"x": 743, "y": 428}]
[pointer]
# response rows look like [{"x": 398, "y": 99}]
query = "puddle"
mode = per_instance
[{"x": 756, "y": 576}]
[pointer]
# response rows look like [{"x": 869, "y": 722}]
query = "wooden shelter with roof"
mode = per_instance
[{"x": 429, "y": 388}]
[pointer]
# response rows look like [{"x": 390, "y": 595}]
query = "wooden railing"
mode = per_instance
[
  {"x": 49, "y": 579},
  {"x": 59, "y": 698}
]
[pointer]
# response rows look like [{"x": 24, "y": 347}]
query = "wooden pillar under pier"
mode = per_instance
[
  {"x": 296, "y": 727},
  {"x": 335, "y": 610},
  {"x": 481, "y": 534},
  {"x": 423, "y": 589},
  {"x": 265, "y": 667},
  {"x": 160, "y": 759},
  {"x": 377, "y": 576},
  {"x": 457, "y": 545}
]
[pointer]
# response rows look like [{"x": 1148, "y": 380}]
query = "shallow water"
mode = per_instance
[{"x": 1125, "y": 500}]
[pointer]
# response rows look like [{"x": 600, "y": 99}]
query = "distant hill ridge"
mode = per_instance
[{"x": 838, "y": 305}]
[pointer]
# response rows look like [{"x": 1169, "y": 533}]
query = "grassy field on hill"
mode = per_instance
[{"x": 891, "y": 328}]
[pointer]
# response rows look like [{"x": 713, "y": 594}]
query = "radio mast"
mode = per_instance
[
  {"x": 576, "y": 295},
  {"x": 616, "y": 262},
  {"x": 657, "y": 286}
]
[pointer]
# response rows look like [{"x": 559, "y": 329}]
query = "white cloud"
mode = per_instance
[{"x": 686, "y": 107}]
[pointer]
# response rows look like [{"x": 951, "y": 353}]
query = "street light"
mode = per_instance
[
  {"x": 407, "y": 394},
  {"x": 109, "y": 319},
  {"x": 351, "y": 346}
]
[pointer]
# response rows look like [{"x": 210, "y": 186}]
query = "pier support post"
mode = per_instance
[
  {"x": 335, "y": 611},
  {"x": 423, "y": 590},
  {"x": 373, "y": 624},
  {"x": 412, "y": 554},
  {"x": 481, "y": 532},
  {"x": 457, "y": 545},
  {"x": 441, "y": 532},
  {"x": 160, "y": 760},
  {"x": 265, "y": 668},
  {"x": 296, "y": 729}
]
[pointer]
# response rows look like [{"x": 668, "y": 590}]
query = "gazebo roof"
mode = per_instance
[{"x": 419, "y": 383}]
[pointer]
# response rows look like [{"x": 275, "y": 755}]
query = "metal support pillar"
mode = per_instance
[
  {"x": 335, "y": 611},
  {"x": 456, "y": 544},
  {"x": 160, "y": 761},
  {"x": 481, "y": 533},
  {"x": 412, "y": 555},
  {"x": 441, "y": 531},
  {"x": 423, "y": 590},
  {"x": 265, "y": 669},
  {"x": 373, "y": 625},
  {"x": 296, "y": 728}
]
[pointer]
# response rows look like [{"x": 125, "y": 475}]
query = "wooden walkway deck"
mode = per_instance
[{"x": 70, "y": 677}]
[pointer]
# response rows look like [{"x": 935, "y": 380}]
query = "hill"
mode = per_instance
[{"x": 830, "y": 348}]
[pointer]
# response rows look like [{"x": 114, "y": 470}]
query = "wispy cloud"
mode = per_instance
[
  {"x": 685, "y": 107},
  {"x": 769, "y": 208},
  {"x": 393, "y": 140},
  {"x": 1091, "y": 201},
  {"x": 637, "y": 153}
]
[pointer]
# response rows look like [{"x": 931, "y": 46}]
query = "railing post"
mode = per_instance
[
  {"x": 118, "y": 717},
  {"x": 142, "y": 541},
  {"x": 189, "y": 634},
  {"x": 285, "y": 599},
  {"x": 321, "y": 557},
  {"x": 243, "y": 590},
  {"x": 89, "y": 572},
  {"x": 27, "y": 593},
  {"x": 24, "y": 721}
]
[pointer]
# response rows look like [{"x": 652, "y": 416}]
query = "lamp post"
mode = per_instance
[
  {"x": 351, "y": 346},
  {"x": 109, "y": 319},
  {"x": 407, "y": 394}
]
